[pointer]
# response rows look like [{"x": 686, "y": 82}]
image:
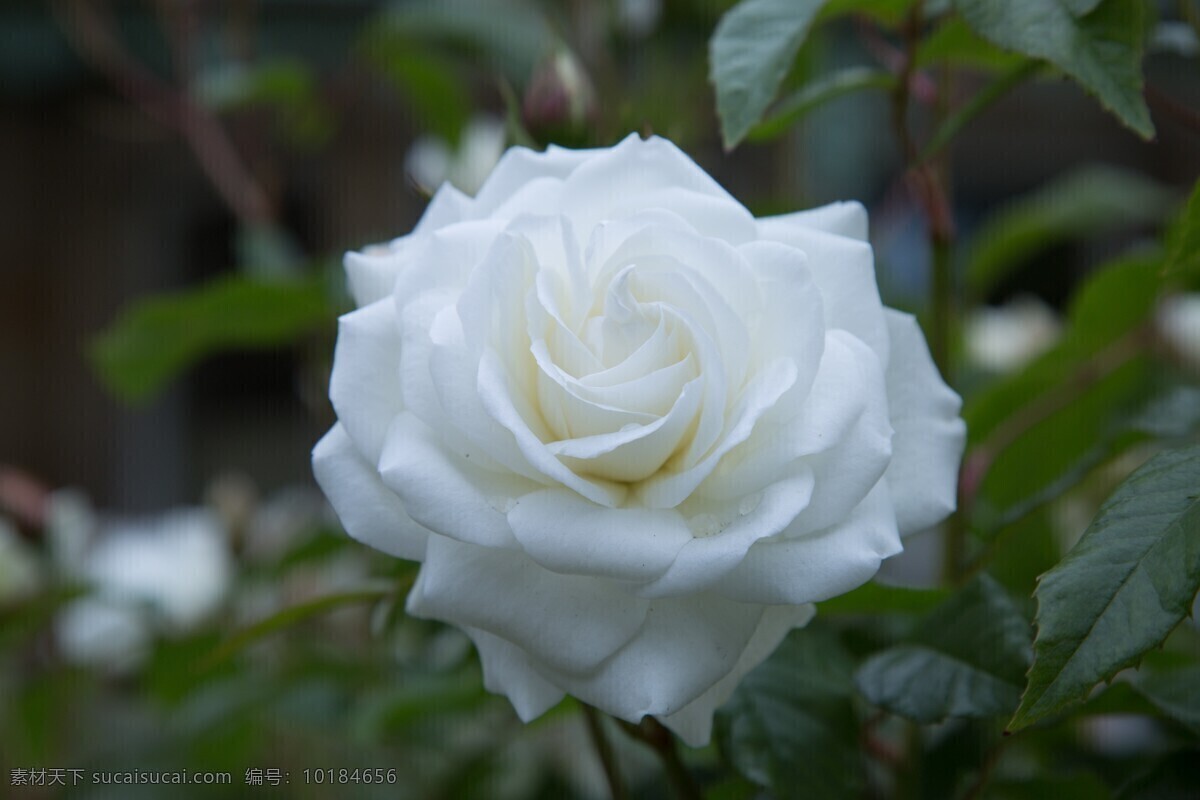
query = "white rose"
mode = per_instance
[{"x": 631, "y": 431}]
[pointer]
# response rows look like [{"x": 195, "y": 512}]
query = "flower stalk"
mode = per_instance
[
  {"x": 651, "y": 733},
  {"x": 604, "y": 750}
]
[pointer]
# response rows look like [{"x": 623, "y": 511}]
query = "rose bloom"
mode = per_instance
[{"x": 631, "y": 432}]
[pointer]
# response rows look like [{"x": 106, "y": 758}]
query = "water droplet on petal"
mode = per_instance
[
  {"x": 749, "y": 503},
  {"x": 703, "y": 525}
]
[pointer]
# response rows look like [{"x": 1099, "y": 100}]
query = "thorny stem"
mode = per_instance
[
  {"x": 985, "y": 771},
  {"x": 604, "y": 750},
  {"x": 927, "y": 182},
  {"x": 980, "y": 102},
  {"x": 92, "y": 32},
  {"x": 652, "y": 733}
]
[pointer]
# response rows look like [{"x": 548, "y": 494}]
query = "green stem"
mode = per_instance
[
  {"x": 652, "y": 733},
  {"x": 815, "y": 93},
  {"x": 941, "y": 335},
  {"x": 954, "y": 123},
  {"x": 942, "y": 318},
  {"x": 608, "y": 760}
]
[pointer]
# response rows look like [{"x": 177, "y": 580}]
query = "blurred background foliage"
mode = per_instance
[{"x": 180, "y": 179}]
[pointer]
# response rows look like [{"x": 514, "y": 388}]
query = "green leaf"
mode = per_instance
[
  {"x": 155, "y": 339},
  {"x": 286, "y": 618},
  {"x": 750, "y": 53},
  {"x": 426, "y": 80},
  {"x": 1175, "y": 692},
  {"x": 887, "y": 12},
  {"x": 1172, "y": 778},
  {"x": 511, "y": 36},
  {"x": 1079, "y": 399},
  {"x": 953, "y": 42},
  {"x": 1183, "y": 251},
  {"x": 1111, "y": 302},
  {"x": 1086, "y": 202},
  {"x": 1118, "y": 697},
  {"x": 1073, "y": 786},
  {"x": 878, "y": 598},
  {"x": 1121, "y": 589},
  {"x": 1058, "y": 451},
  {"x": 966, "y": 659},
  {"x": 1099, "y": 44},
  {"x": 415, "y": 702},
  {"x": 790, "y": 725},
  {"x": 816, "y": 93},
  {"x": 287, "y": 85}
]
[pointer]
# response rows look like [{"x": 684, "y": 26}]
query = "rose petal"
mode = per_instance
[
  {"x": 560, "y": 260},
  {"x": 443, "y": 491},
  {"x": 364, "y": 385},
  {"x": 443, "y": 259},
  {"x": 633, "y": 453},
  {"x": 453, "y": 375},
  {"x": 496, "y": 399},
  {"x": 507, "y": 594},
  {"x": 693, "y": 722},
  {"x": 654, "y": 173},
  {"x": 368, "y": 511},
  {"x": 372, "y": 273},
  {"x": 845, "y": 410},
  {"x": 667, "y": 490},
  {"x": 702, "y": 276},
  {"x": 929, "y": 439},
  {"x": 817, "y": 566},
  {"x": 565, "y": 533},
  {"x": 705, "y": 559},
  {"x": 792, "y": 323},
  {"x": 571, "y": 410},
  {"x": 609, "y": 235},
  {"x": 849, "y": 469},
  {"x": 507, "y": 671},
  {"x": 844, "y": 271},
  {"x": 845, "y": 218},
  {"x": 685, "y": 646},
  {"x": 447, "y": 206},
  {"x": 520, "y": 166},
  {"x": 663, "y": 347}
]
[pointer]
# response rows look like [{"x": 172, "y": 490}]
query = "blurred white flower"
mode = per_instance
[
  {"x": 285, "y": 520},
  {"x": 19, "y": 573},
  {"x": 431, "y": 161},
  {"x": 1007, "y": 338},
  {"x": 159, "y": 575},
  {"x": 1179, "y": 325},
  {"x": 1122, "y": 735},
  {"x": 638, "y": 17},
  {"x": 96, "y": 632},
  {"x": 178, "y": 566},
  {"x": 70, "y": 526}
]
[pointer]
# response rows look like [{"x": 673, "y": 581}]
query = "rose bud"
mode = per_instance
[{"x": 559, "y": 101}]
